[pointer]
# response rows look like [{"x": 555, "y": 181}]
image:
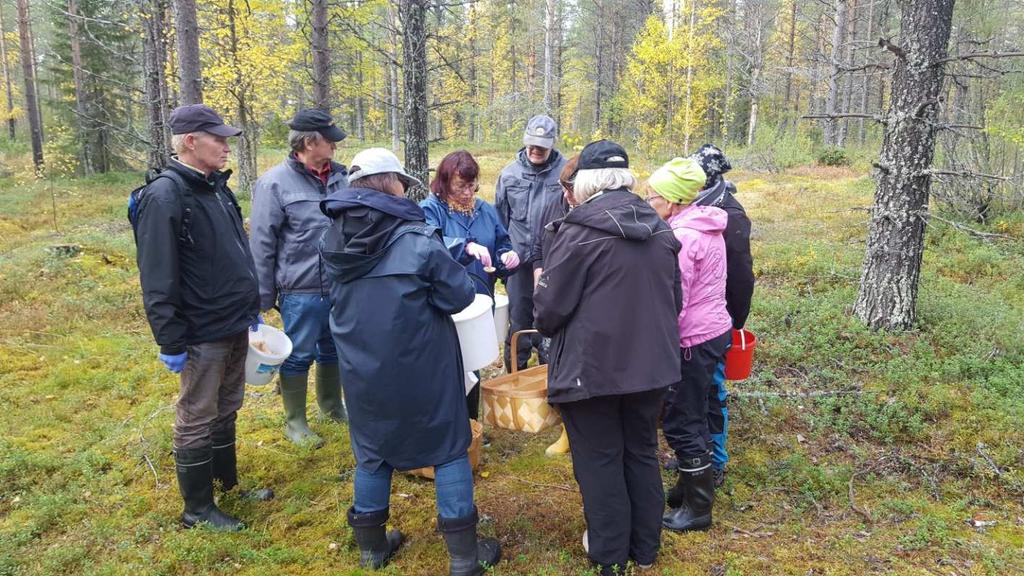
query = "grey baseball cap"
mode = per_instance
[
  {"x": 378, "y": 161},
  {"x": 540, "y": 131}
]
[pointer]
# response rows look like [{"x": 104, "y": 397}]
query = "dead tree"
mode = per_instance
[
  {"x": 321, "y": 56},
  {"x": 831, "y": 135},
  {"x": 28, "y": 67},
  {"x": 412, "y": 14},
  {"x": 11, "y": 122},
  {"x": 189, "y": 69},
  {"x": 892, "y": 264}
]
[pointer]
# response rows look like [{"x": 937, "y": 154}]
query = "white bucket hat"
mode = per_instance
[{"x": 379, "y": 161}]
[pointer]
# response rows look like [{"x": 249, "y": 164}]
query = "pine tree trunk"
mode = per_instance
[
  {"x": 892, "y": 264},
  {"x": 189, "y": 68},
  {"x": 155, "y": 58},
  {"x": 12, "y": 124},
  {"x": 321, "y": 57},
  {"x": 831, "y": 135},
  {"x": 549, "y": 54},
  {"x": 28, "y": 67},
  {"x": 247, "y": 141},
  {"x": 849, "y": 39},
  {"x": 414, "y": 68},
  {"x": 866, "y": 88},
  {"x": 82, "y": 111}
]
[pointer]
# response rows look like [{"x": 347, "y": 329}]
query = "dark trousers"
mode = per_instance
[
  {"x": 520, "y": 313},
  {"x": 614, "y": 445},
  {"x": 685, "y": 420},
  {"x": 212, "y": 388}
]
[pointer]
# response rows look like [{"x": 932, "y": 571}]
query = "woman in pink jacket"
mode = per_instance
[{"x": 704, "y": 335}]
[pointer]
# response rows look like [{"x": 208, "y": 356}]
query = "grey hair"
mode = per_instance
[
  {"x": 379, "y": 182},
  {"x": 590, "y": 182},
  {"x": 297, "y": 139},
  {"x": 178, "y": 143}
]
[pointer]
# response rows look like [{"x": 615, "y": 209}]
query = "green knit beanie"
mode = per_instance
[{"x": 679, "y": 180}]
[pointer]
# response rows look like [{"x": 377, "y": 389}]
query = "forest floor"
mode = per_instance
[{"x": 853, "y": 452}]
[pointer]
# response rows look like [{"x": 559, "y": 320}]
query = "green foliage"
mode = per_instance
[{"x": 833, "y": 157}]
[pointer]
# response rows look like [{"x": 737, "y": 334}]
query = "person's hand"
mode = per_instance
[
  {"x": 480, "y": 253},
  {"x": 174, "y": 362},
  {"x": 510, "y": 259},
  {"x": 256, "y": 325}
]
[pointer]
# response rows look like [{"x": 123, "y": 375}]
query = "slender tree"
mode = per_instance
[
  {"x": 189, "y": 68},
  {"x": 892, "y": 264},
  {"x": 28, "y": 67},
  {"x": 414, "y": 67},
  {"x": 321, "y": 56},
  {"x": 154, "y": 18},
  {"x": 12, "y": 124}
]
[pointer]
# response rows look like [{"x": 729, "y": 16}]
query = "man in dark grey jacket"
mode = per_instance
[
  {"x": 525, "y": 188},
  {"x": 200, "y": 292},
  {"x": 286, "y": 228}
]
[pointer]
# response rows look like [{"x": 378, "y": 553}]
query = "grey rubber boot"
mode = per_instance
[
  {"x": 293, "y": 396},
  {"x": 328, "y": 392}
]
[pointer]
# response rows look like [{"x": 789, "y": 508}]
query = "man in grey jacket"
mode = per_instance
[
  {"x": 286, "y": 227},
  {"x": 525, "y": 188}
]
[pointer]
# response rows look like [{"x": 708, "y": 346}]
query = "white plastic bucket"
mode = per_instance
[
  {"x": 501, "y": 317},
  {"x": 477, "y": 336},
  {"x": 262, "y": 363}
]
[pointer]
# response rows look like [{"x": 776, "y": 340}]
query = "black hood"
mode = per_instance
[
  {"x": 619, "y": 213},
  {"x": 365, "y": 222}
]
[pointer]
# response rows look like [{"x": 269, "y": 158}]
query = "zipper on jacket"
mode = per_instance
[{"x": 238, "y": 244}]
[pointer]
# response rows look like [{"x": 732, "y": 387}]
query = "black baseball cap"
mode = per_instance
[
  {"x": 199, "y": 118},
  {"x": 313, "y": 120},
  {"x": 602, "y": 154}
]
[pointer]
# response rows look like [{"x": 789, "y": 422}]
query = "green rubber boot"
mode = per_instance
[
  {"x": 328, "y": 392},
  {"x": 293, "y": 396}
]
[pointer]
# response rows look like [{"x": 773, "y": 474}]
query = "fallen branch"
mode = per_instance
[
  {"x": 749, "y": 533},
  {"x": 968, "y": 230},
  {"x": 853, "y": 502},
  {"x": 815, "y": 394},
  {"x": 983, "y": 454},
  {"x": 152, "y": 469},
  {"x": 966, "y": 174}
]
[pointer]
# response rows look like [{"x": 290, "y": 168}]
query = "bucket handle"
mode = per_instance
[
  {"x": 743, "y": 339},
  {"x": 513, "y": 358}
]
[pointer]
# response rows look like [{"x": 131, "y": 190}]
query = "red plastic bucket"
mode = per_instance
[{"x": 739, "y": 360}]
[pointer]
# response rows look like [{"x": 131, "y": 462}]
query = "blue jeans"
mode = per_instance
[
  {"x": 453, "y": 487},
  {"x": 718, "y": 417},
  {"x": 307, "y": 321}
]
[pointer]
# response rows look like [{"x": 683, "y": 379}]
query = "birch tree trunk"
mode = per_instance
[
  {"x": 12, "y": 124},
  {"x": 321, "y": 57},
  {"x": 892, "y": 263},
  {"x": 28, "y": 67},
  {"x": 189, "y": 69},
  {"x": 414, "y": 68}
]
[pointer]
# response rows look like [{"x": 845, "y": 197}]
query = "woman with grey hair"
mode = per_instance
[{"x": 608, "y": 297}]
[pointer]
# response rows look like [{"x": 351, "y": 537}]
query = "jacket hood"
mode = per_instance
[
  {"x": 619, "y": 213},
  {"x": 528, "y": 166},
  {"x": 707, "y": 219},
  {"x": 365, "y": 222}
]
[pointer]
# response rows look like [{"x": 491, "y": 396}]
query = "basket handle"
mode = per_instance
[{"x": 514, "y": 357}]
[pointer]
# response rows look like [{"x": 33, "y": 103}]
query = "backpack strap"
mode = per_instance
[{"x": 188, "y": 201}]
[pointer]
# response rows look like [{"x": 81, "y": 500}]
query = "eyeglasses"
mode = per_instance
[{"x": 652, "y": 198}]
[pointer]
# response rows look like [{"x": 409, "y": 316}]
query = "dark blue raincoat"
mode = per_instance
[{"x": 393, "y": 288}]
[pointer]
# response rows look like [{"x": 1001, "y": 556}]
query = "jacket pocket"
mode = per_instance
[{"x": 518, "y": 200}]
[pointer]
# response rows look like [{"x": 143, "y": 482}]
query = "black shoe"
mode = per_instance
[
  {"x": 225, "y": 465},
  {"x": 693, "y": 496},
  {"x": 376, "y": 545},
  {"x": 467, "y": 556},
  {"x": 719, "y": 477},
  {"x": 195, "y": 480}
]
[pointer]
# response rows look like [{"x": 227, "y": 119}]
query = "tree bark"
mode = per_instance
[
  {"x": 82, "y": 108},
  {"x": 12, "y": 124},
  {"x": 28, "y": 67},
  {"x": 550, "y": 8},
  {"x": 189, "y": 68},
  {"x": 154, "y": 44},
  {"x": 849, "y": 39},
  {"x": 414, "y": 68},
  {"x": 892, "y": 264},
  {"x": 831, "y": 135},
  {"x": 687, "y": 127},
  {"x": 866, "y": 88},
  {"x": 321, "y": 57},
  {"x": 790, "y": 53},
  {"x": 360, "y": 100}
]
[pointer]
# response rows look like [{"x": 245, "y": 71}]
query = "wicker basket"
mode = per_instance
[
  {"x": 519, "y": 401},
  {"x": 474, "y": 452}
]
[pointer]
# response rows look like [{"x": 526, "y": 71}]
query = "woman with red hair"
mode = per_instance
[{"x": 470, "y": 226}]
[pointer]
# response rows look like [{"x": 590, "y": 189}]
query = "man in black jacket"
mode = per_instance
[
  {"x": 739, "y": 285},
  {"x": 200, "y": 292}
]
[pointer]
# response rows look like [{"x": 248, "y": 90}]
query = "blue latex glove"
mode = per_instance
[
  {"x": 256, "y": 325},
  {"x": 174, "y": 362}
]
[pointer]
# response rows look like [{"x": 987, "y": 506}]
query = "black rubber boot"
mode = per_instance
[
  {"x": 195, "y": 480},
  {"x": 467, "y": 555},
  {"x": 693, "y": 496},
  {"x": 293, "y": 396},
  {"x": 376, "y": 545},
  {"x": 328, "y": 392},
  {"x": 225, "y": 465}
]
